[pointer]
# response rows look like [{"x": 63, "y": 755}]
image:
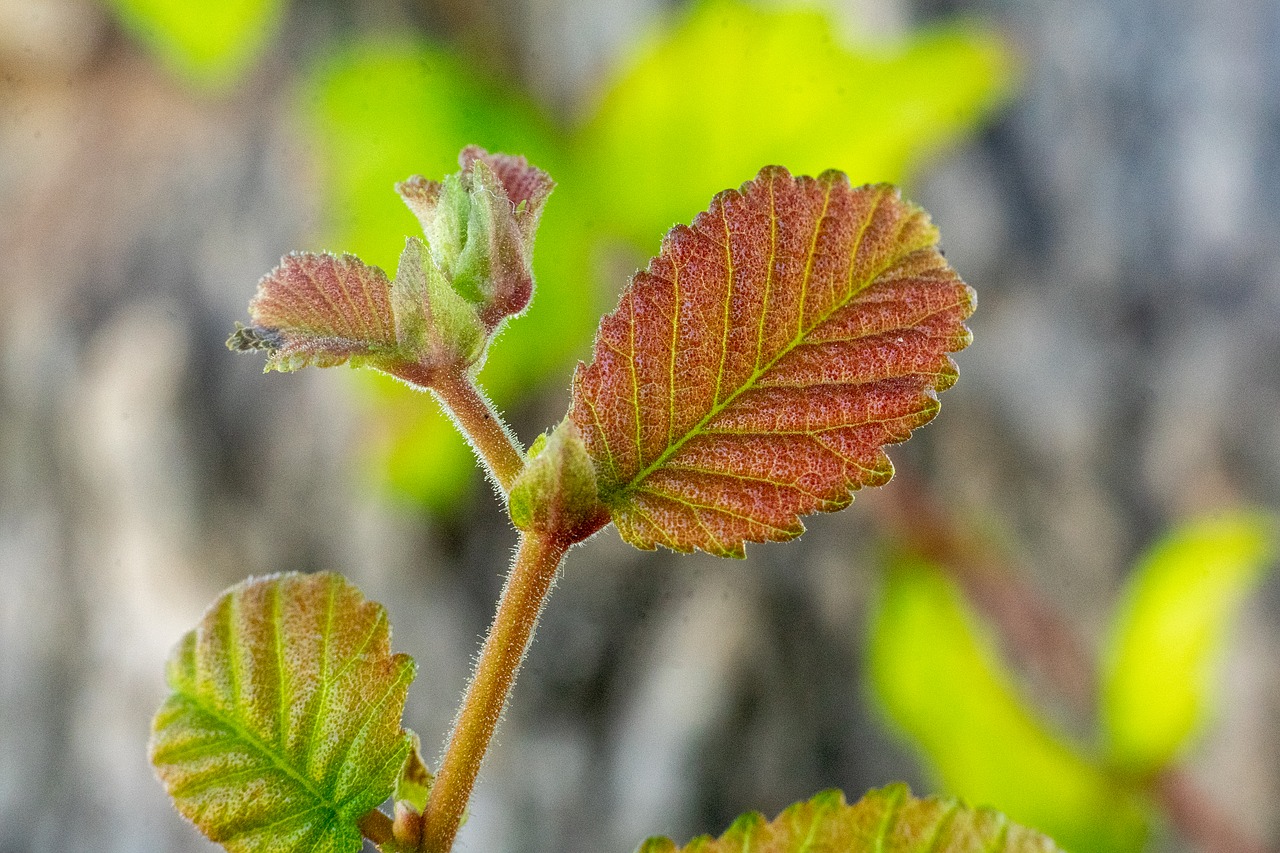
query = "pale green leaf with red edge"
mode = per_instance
[
  {"x": 283, "y": 726},
  {"x": 754, "y": 372},
  {"x": 888, "y": 820}
]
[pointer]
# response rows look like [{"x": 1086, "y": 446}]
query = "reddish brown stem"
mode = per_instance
[
  {"x": 476, "y": 417},
  {"x": 376, "y": 827},
  {"x": 528, "y": 584}
]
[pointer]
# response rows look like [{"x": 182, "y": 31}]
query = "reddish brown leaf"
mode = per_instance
[
  {"x": 320, "y": 310},
  {"x": 754, "y": 372}
]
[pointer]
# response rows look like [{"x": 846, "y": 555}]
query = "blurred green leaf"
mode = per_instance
[
  {"x": 283, "y": 727},
  {"x": 941, "y": 683},
  {"x": 887, "y": 820},
  {"x": 735, "y": 87},
  {"x": 209, "y": 42},
  {"x": 1169, "y": 631},
  {"x": 414, "y": 784}
]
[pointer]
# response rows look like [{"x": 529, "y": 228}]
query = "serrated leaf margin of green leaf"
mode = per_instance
[
  {"x": 886, "y": 820},
  {"x": 264, "y": 757}
]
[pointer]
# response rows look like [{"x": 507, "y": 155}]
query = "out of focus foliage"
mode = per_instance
[
  {"x": 1176, "y": 613},
  {"x": 210, "y": 42},
  {"x": 700, "y": 107},
  {"x": 942, "y": 684}
]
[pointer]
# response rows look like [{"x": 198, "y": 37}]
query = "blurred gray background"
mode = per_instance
[{"x": 1120, "y": 220}]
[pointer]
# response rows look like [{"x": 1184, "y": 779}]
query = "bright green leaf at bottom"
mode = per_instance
[
  {"x": 888, "y": 820},
  {"x": 1177, "y": 610},
  {"x": 940, "y": 682},
  {"x": 208, "y": 42},
  {"x": 283, "y": 727}
]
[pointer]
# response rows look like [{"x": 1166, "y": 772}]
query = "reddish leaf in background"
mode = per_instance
[{"x": 754, "y": 372}]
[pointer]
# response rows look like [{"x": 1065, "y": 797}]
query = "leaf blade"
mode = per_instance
[
  {"x": 1177, "y": 609},
  {"x": 940, "y": 681},
  {"x": 320, "y": 310},
  {"x": 754, "y": 371},
  {"x": 886, "y": 820},
  {"x": 272, "y": 692}
]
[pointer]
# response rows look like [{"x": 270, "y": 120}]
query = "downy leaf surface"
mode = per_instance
[
  {"x": 320, "y": 310},
  {"x": 754, "y": 372},
  {"x": 283, "y": 727},
  {"x": 888, "y": 820},
  {"x": 1178, "y": 608}
]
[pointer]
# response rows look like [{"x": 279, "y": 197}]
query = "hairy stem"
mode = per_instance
[
  {"x": 528, "y": 583},
  {"x": 476, "y": 417},
  {"x": 376, "y": 827}
]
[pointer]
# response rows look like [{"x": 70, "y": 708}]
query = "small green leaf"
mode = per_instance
[
  {"x": 210, "y": 42},
  {"x": 1169, "y": 632},
  {"x": 283, "y": 727},
  {"x": 433, "y": 320},
  {"x": 888, "y": 820},
  {"x": 556, "y": 491},
  {"x": 941, "y": 683},
  {"x": 413, "y": 786}
]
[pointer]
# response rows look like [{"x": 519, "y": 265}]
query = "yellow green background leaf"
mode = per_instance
[
  {"x": 942, "y": 685},
  {"x": 888, "y": 820},
  {"x": 735, "y": 86},
  {"x": 1176, "y": 613},
  {"x": 283, "y": 727},
  {"x": 208, "y": 42}
]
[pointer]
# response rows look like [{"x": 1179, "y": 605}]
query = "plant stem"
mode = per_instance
[
  {"x": 532, "y": 573},
  {"x": 476, "y": 417},
  {"x": 376, "y": 827}
]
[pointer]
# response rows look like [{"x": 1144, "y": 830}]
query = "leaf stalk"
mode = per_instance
[{"x": 479, "y": 421}]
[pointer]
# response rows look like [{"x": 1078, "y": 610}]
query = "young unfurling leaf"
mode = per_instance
[
  {"x": 451, "y": 293},
  {"x": 283, "y": 727},
  {"x": 320, "y": 311},
  {"x": 480, "y": 225},
  {"x": 888, "y": 820},
  {"x": 754, "y": 372}
]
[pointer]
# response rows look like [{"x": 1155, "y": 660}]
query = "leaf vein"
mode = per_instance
[
  {"x": 370, "y": 711},
  {"x": 277, "y": 626},
  {"x": 722, "y": 510},
  {"x": 323, "y": 700},
  {"x": 717, "y": 409},
  {"x": 728, "y": 304}
]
